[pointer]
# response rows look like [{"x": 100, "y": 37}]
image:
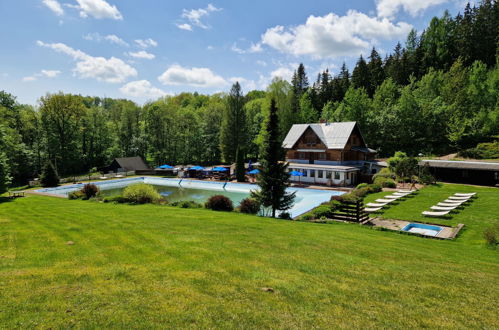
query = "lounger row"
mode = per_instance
[
  {"x": 448, "y": 205},
  {"x": 382, "y": 202}
]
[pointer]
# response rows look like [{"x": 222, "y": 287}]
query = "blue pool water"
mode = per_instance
[
  {"x": 423, "y": 229},
  {"x": 200, "y": 191}
]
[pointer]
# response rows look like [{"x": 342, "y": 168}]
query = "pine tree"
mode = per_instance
[
  {"x": 376, "y": 72},
  {"x": 360, "y": 75},
  {"x": 274, "y": 177},
  {"x": 49, "y": 176},
  {"x": 233, "y": 128},
  {"x": 299, "y": 84}
]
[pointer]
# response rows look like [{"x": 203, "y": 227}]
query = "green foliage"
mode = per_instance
[
  {"x": 385, "y": 182},
  {"x": 77, "y": 194},
  {"x": 187, "y": 204},
  {"x": 49, "y": 176},
  {"x": 285, "y": 216},
  {"x": 219, "y": 203},
  {"x": 491, "y": 235},
  {"x": 233, "y": 129},
  {"x": 4, "y": 173},
  {"x": 141, "y": 193},
  {"x": 361, "y": 185},
  {"x": 249, "y": 205},
  {"x": 482, "y": 151},
  {"x": 274, "y": 177},
  {"x": 115, "y": 199},
  {"x": 240, "y": 170}
]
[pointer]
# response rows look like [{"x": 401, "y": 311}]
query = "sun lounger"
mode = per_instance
[
  {"x": 392, "y": 197},
  {"x": 385, "y": 201},
  {"x": 401, "y": 194},
  {"x": 376, "y": 204},
  {"x": 103, "y": 178},
  {"x": 435, "y": 214},
  {"x": 451, "y": 201},
  {"x": 449, "y": 204},
  {"x": 443, "y": 208},
  {"x": 464, "y": 195},
  {"x": 457, "y": 198},
  {"x": 406, "y": 191},
  {"x": 372, "y": 209}
]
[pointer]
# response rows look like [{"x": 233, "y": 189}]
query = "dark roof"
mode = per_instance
[
  {"x": 364, "y": 149},
  {"x": 453, "y": 164},
  {"x": 131, "y": 163}
]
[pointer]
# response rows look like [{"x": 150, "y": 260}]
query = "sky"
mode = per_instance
[{"x": 142, "y": 50}]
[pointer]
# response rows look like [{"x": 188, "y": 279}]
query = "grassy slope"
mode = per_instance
[{"x": 149, "y": 266}]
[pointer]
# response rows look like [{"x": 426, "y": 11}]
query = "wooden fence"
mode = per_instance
[{"x": 350, "y": 211}]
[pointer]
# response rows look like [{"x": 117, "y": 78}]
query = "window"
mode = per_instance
[
  {"x": 301, "y": 155},
  {"x": 312, "y": 173},
  {"x": 336, "y": 175},
  {"x": 328, "y": 174},
  {"x": 322, "y": 156},
  {"x": 305, "y": 173},
  {"x": 320, "y": 174}
]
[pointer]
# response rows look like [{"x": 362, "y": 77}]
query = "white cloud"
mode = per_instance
[
  {"x": 98, "y": 9},
  {"x": 142, "y": 54},
  {"x": 43, "y": 73},
  {"x": 112, "y": 70},
  {"x": 198, "y": 77},
  {"x": 246, "y": 84},
  {"x": 146, "y": 43},
  {"x": 112, "y": 38},
  {"x": 194, "y": 16},
  {"x": 282, "y": 72},
  {"x": 254, "y": 48},
  {"x": 236, "y": 49},
  {"x": 141, "y": 88},
  {"x": 332, "y": 35},
  {"x": 55, "y": 6},
  {"x": 185, "y": 26},
  {"x": 388, "y": 8}
]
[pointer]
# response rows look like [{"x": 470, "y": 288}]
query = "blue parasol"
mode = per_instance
[
  {"x": 255, "y": 171},
  {"x": 219, "y": 169},
  {"x": 166, "y": 167},
  {"x": 296, "y": 173},
  {"x": 196, "y": 168}
]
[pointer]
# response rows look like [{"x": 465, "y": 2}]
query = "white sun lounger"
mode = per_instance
[
  {"x": 449, "y": 204},
  {"x": 464, "y": 195},
  {"x": 392, "y": 197},
  {"x": 457, "y": 198},
  {"x": 384, "y": 201},
  {"x": 435, "y": 214},
  {"x": 406, "y": 191},
  {"x": 451, "y": 201},
  {"x": 443, "y": 208},
  {"x": 401, "y": 194},
  {"x": 372, "y": 209},
  {"x": 376, "y": 204}
]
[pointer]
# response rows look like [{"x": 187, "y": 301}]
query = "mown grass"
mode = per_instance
[
  {"x": 481, "y": 212},
  {"x": 154, "y": 266}
]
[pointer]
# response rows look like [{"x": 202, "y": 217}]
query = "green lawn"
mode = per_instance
[{"x": 155, "y": 266}]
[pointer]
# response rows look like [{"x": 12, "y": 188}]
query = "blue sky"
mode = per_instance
[{"x": 145, "y": 49}]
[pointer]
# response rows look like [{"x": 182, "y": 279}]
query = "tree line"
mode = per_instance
[{"x": 436, "y": 94}]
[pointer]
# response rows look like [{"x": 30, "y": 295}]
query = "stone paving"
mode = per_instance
[{"x": 446, "y": 232}]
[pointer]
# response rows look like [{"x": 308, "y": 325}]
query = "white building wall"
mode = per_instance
[{"x": 335, "y": 177}]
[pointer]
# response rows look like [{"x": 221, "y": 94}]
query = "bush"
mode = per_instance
[
  {"x": 385, "y": 173},
  {"x": 482, "y": 151},
  {"x": 361, "y": 185},
  {"x": 141, "y": 193},
  {"x": 491, "y": 235},
  {"x": 77, "y": 194},
  {"x": 323, "y": 211},
  {"x": 285, "y": 215},
  {"x": 115, "y": 199},
  {"x": 249, "y": 205},
  {"x": 374, "y": 188},
  {"x": 49, "y": 176},
  {"x": 90, "y": 190},
  {"x": 219, "y": 203},
  {"x": 385, "y": 182},
  {"x": 187, "y": 205}
]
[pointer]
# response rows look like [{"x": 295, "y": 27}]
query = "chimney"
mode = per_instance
[{"x": 322, "y": 121}]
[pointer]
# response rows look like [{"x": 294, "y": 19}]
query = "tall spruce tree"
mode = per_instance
[
  {"x": 233, "y": 128},
  {"x": 240, "y": 170},
  {"x": 360, "y": 75},
  {"x": 274, "y": 177},
  {"x": 376, "y": 72},
  {"x": 299, "y": 84}
]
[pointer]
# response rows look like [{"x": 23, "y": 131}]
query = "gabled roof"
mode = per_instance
[
  {"x": 333, "y": 135},
  {"x": 132, "y": 163}
]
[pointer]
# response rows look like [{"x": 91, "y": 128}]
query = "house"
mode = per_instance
[
  {"x": 127, "y": 164},
  {"x": 470, "y": 172},
  {"x": 327, "y": 153}
]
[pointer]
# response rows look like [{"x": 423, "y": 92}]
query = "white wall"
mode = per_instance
[{"x": 343, "y": 178}]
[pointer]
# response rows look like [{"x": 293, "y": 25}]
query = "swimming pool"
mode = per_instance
[
  {"x": 200, "y": 191},
  {"x": 422, "y": 229}
]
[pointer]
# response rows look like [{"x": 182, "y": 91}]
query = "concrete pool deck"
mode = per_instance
[{"x": 397, "y": 225}]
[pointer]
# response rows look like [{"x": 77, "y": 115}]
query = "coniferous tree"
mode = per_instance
[
  {"x": 274, "y": 177},
  {"x": 299, "y": 84},
  {"x": 240, "y": 170},
  {"x": 360, "y": 75},
  {"x": 376, "y": 72},
  {"x": 233, "y": 129},
  {"x": 49, "y": 176}
]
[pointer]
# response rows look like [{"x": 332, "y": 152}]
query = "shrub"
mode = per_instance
[
  {"x": 323, "y": 211},
  {"x": 491, "y": 235},
  {"x": 361, "y": 185},
  {"x": 374, "y": 188},
  {"x": 77, "y": 194},
  {"x": 187, "y": 205},
  {"x": 219, "y": 203},
  {"x": 385, "y": 182},
  {"x": 482, "y": 151},
  {"x": 285, "y": 215},
  {"x": 115, "y": 199},
  {"x": 249, "y": 205},
  {"x": 385, "y": 173},
  {"x": 49, "y": 176},
  {"x": 141, "y": 193},
  {"x": 90, "y": 190}
]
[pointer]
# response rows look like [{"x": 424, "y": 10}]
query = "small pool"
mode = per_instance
[
  {"x": 200, "y": 191},
  {"x": 419, "y": 228}
]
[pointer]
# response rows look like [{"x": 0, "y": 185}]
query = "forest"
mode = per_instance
[{"x": 434, "y": 94}]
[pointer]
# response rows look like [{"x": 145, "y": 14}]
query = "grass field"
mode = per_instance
[{"x": 156, "y": 266}]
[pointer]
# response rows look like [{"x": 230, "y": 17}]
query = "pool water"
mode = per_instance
[
  {"x": 199, "y": 191},
  {"x": 422, "y": 229}
]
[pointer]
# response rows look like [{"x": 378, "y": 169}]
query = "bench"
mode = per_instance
[{"x": 15, "y": 194}]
